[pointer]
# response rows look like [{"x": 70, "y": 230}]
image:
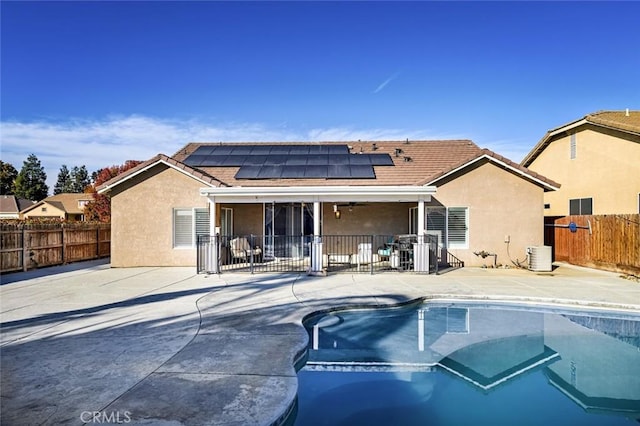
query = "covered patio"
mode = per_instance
[{"x": 319, "y": 229}]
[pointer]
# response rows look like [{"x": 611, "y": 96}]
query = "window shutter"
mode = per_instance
[
  {"x": 573, "y": 146},
  {"x": 457, "y": 226},
  {"x": 182, "y": 228}
]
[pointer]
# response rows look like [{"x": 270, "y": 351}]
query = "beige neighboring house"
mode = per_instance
[
  {"x": 10, "y": 206},
  {"x": 597, "y": 161},
  {"x": 66, "y": 206},
  {"x": 466, "y": 198}
]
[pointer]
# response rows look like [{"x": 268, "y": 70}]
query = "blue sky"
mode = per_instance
[{"x": 98, "y": 83}]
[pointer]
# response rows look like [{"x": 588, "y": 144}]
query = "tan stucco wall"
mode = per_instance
[
  {"x": 606, "y": 169},
  {"x": 142, "y": 219},
  {"x": 500, "y": 204}
]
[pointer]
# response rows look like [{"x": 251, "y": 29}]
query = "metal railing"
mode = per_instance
[{"x": 340, "y": 253}]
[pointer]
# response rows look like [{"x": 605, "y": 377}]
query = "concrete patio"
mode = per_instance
[{"x": 86, "y": 343}]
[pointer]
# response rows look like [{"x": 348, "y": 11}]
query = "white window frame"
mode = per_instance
[
  {"x": 457, "y": 245},
  {"x": 192, "y": 212}
]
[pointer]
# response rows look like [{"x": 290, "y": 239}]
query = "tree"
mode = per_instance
[
  {"x": 100, "y": 208},
  {"x": 31, "y": 181},
  {"x": 8, "y": 175},
  {"x": 64, "y": 183},
  {"x": 79, "y": 179}
]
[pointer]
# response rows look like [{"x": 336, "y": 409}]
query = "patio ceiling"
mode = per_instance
[{"x": 309, "y": 194}]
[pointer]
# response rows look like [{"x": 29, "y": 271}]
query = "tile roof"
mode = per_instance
[
  {"x": 417, "y": 160},
  {"x": 415, "y": 163},
  {"x": 199, "y": 174},
  {"x": 626, "y": 121}
]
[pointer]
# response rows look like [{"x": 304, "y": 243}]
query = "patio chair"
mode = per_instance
[
  {"x": 241, "y": 250},
  {"x": 364, "y": 256}
]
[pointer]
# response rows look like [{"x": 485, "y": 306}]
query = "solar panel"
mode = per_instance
[
  {"x": 259, "y": 150},
  {"x": 266, "y": 161},
  {"x": 293, "y": 172},
  {"x": 233, "y": 160},
  {"x": 299, "y": 150},
  {"x": 296, "y": 160},
  {"x": 248, "y": 172},
  {"x": 219, "y": 150},
  {"x": 362, "y": 159},
  {"x": 203, "y": 150},
  {"x": 362, "y": 172},
  {"x": 338, "y": 171},
  {"x": 254, "y": 160},
  {"x": 380, "y": 159},
  {"x": 339, "y": 159},
  {"x": 270, "y": 172},
  {"x": 273, "y": 160},
  {"x": 283, "y": 149},
  {"x": 318, "y": 160},
  {"x": 338, "y": 149},
  {"x": 315, "y": 172}
]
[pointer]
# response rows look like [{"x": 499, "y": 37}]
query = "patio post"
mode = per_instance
[
  {"x": 421, "y": 248},
  {"x": 316, "y": 251},
  {"x": 212, "y": 255}
]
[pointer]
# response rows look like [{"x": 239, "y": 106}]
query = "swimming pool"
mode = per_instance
[{"x": 441, "y": 363}]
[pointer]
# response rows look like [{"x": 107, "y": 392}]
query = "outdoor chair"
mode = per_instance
[
  {"x": 241, "y": 250},
  {"x": 364, "y": 256}
]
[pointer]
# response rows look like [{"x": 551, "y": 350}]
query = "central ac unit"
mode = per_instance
[{"x": 539, "y": 258}]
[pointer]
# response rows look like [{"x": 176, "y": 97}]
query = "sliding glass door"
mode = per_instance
[{"x": 288, "y": 228}]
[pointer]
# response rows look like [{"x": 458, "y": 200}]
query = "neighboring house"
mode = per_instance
[
  {"x": 66, "y": 206},
  {"x": 597, "y": 161},
  {"x": 10, "y": 206},
  {"x": 472, "y": 199}
]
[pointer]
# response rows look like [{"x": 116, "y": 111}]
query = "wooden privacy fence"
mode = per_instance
[
  {"x": 613, "y": 243},
  {"x": 28, "y": 246}
]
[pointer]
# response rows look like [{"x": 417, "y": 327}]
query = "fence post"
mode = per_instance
[
  {"x": 64, "y": 242},
  {"x": 24, "y": 248},
  {"x": 97, "y": 241}
]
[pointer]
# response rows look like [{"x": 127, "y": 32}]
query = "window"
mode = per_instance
[
  {"x": 581, "y": 206},
  {"x": 457, "y": 227},
  {"x": 573, "y": 147},
  {"x": 188, "y": 224},
  {"x": 451, "y": 225}
]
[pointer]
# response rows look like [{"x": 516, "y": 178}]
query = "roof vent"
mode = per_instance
[
  {"x": 398, "y": 152},
  {"x": 407, "y": 141},
  {"x": 407, "y": 159},
  {"x": 627, "y": 112},
  {"x": 374, "y": 146}
]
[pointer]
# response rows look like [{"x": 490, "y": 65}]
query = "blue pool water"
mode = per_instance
[{"x": 471, "y": 364}]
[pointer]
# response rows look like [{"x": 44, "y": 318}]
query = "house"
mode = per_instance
[
  {"x": 66, "y": 206},
  {"x": 10, "y": 206},
  {"x": 597, "y": 161},
  {"x": 303, "y": 200}
]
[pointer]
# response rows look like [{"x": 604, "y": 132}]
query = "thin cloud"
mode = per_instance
[{"x": 387, "y": 81}]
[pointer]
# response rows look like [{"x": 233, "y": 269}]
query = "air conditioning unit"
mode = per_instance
[{"x": 539, "y": 258}]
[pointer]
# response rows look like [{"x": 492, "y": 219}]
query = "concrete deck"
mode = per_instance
[{"x": 164, "y": 346}]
